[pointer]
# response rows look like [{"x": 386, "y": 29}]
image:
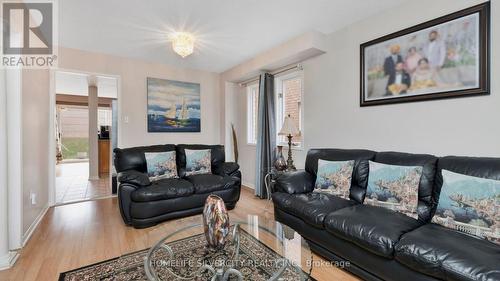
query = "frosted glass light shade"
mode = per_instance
[{"x": 183, "y": 43}]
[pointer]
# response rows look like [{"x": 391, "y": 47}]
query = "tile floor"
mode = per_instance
[{"x": 73, "y": 184}]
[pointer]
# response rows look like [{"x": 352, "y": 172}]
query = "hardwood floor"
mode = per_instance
[{"x": 80, "y": 234}]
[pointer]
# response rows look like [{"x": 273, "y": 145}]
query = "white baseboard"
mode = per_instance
[
  {"x": 8, "y": 260},
  {"x": 247, "y": 184},
  {"x": 34, "y": 225}
]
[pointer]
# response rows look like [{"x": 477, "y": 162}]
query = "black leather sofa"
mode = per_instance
[
  {"x": 144, "y": 203},
  {"x": 378, "y": 243}
]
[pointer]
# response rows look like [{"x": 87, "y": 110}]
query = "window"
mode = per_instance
[
  {"x": 104, "y": 117},
  {"x": 252, "y": 112},
  {"x": 289, "y": 94}
]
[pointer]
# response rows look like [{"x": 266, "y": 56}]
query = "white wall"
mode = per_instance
[
  {"x": 14, "y": 156},
  {"x": 247, "y": 152},
  {"x": 133, "y": 99},
  {"x": 333, "y": 117},
  {"x": 465, "y": 126},
  {"x": 4, "y": 230},
  {"x": 35, "y": 143}
]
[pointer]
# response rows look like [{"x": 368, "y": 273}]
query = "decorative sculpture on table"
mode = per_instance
[
  {"x": 215, "y": 221},
  {"x": 289, "y": 129}
]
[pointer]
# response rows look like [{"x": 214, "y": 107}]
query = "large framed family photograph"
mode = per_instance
[{"x": 443, "y": 58}]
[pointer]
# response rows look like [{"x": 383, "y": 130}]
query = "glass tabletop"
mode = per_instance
[{"x": 256, "y": 249}]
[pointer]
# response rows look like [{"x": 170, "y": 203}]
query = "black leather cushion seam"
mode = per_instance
[
  {"x": 382, "y": 241},
  {"x": 297, "y": 217},
  {"x": 362, "y": 245},
  {"x": 408, "y": 252},
  {"x": 456, "y": 272},
  {"x": 420, "y": 260}
]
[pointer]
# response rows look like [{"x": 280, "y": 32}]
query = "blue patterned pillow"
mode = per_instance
[
  {"x": 334, "y": 177},
  {"x": 394, "y": 187},
  {"x": 198, "y": 162},
  {"x": 469, "y": 204},
  {"x": 161, "y": 165}
]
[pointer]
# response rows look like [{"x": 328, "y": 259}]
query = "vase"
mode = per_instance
[
  {"x": 215, "y": 222},
  {"x": 280, "y": 163}
]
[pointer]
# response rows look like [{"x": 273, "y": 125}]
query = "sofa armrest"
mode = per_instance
[
  {"x": 295, "y": 182},
  {"x": 227, "y": 169},
  {"x": 134, "y": 177}
]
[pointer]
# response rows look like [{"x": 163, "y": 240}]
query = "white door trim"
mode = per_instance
[
  {"x": 15, "y": 157},
  {"x": 52, "y": 112},
  {"x": 52, "y": 138},
  {"x": 4, "y": 217}
]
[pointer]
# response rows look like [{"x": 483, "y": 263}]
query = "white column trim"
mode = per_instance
[
  {"x": 15, "y": 157},
  {"x": 93, "y": 106},
  {"x": 4, "y": 218},
  {"x": 52, "y": 139}
]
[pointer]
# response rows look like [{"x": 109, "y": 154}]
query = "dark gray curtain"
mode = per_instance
[{"x": 266, "y": 133}]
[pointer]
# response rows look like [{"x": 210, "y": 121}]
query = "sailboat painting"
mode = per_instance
[{"x": 173, "y": 106}]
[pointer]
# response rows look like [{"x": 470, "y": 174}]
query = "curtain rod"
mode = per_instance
[{"x": 275, "y": 72}]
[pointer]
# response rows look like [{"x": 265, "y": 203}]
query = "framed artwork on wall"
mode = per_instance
[
  {"x": 442, "y": 58},
  {"x": 173, "y": 106}
]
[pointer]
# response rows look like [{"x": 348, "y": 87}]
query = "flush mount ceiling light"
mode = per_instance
[{"x": 183, "y": 43}]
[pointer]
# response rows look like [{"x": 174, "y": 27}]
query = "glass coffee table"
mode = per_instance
[{"x": 256, "y": 249}]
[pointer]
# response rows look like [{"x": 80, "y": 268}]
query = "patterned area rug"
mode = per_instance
[{"x": 256, "y": 262}]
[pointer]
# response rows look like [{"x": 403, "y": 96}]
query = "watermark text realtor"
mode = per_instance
[{"x": 28, "y": 34}]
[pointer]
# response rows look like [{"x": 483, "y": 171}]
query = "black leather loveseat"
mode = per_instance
[
  {"x": 381, "y": 244},
  {"x": 144, "y": 203}
]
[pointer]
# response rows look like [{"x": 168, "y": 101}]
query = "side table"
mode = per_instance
[{"x": 270, "y": 181}]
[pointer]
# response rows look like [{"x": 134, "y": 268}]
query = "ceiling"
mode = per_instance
[
  {"x": 69, "y": 83},
  {"x": 228, "y": 31}
]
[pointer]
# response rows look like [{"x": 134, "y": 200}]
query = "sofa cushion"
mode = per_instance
[
  {"x": 469, "y": 204},
  {"x": 373, "y": 228},
  {"x": 294, "y": 182},
  {"x": 394, "y": 187},
  {"x": 133, "y": 177},
  {"x": 448, "y": 254},
  {"x": 360, "y": 171},
  {"x": 133, "y": 158},
  {"x": 426, "y": 185},
  {"x": 198, "y": 162},
  {"x": 334, "y": 177},
  {"x": 163, "y": 189},
  {"x": 217, "y": 155},
  {"x": 312, "y": 208},
  {"x": 161, "y": 165},
  {"x": 208, "y": 183}
]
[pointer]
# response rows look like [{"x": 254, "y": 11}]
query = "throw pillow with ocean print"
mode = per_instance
[
  {"x": 334, "y": 177},
  {"x": 469, "y": 204},
  {"x": 161, "y": 165},
  {"x": 394, "y": 187},
  {"x": 198, "y": 162}
]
